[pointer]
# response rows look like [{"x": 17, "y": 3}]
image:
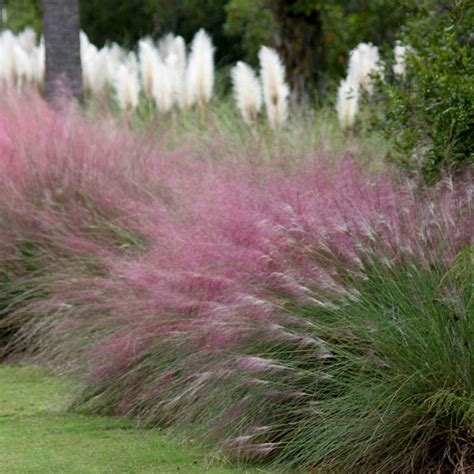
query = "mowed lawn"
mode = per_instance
[{"x": 38, "y": 436}]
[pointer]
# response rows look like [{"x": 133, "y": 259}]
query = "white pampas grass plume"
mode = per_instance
[
  {"x": 177, "y": 63},
  {"x": 89, "y": 54},
  {"x": 364, "y": 62},
  {"x": 166, "y": 45},
  {"x": 22, "y": 66},
  {"x": 115, "y": 56},
  {"x": 127, "y": 87},
  {"x": 84, "y": 41},
  {"x": 163, "y": 86},
  {"x": 7, "y": 62},
  {"x": 179, "y": 50},
  {"x": 347, "y": 102},
  {"x": 131, "y": 62},
  {"x": 97, "y": 71},
  {"x": 172, "y": 50},
  {"x": 27, "y": 40},
  {"x": 200, "y": 70},
  {"x": 400, "y": 52},
  {"x": 275, "y": 89},
  {"x": 247, "y": 91},
  {"x": 148, "y": 59},
  {"x": 88, "y": 58},
  {"x": 116, "y": 53},
  {"x": 38, "y": 62}
]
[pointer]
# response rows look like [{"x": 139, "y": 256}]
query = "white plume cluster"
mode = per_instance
[
  {"x": 160, "y": 69},
  {"x": 275, "y": 89},
  {"x": 364, "y": 63},
  {"x": 200, "y": 70},
  {"x": 247, "y": 91},
  {"x": 94, "y": 67},
  {"x": 21, "y": 60},
  {"x": 163, "y": 73}
]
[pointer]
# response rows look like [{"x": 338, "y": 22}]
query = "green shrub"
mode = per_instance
[
  {"x": 20, "y": 14},
  {"x": 429, "y": 111}
]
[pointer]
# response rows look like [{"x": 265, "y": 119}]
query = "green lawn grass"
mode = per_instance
[{"x": 38, "y": 436}]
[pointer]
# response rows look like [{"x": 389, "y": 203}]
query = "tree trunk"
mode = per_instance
[
  {"x": 300, "y": 43},
  {"x": 63, "y": 57}
]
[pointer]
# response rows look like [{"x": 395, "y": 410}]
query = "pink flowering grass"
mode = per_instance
[{"x": 250, "y": 303}]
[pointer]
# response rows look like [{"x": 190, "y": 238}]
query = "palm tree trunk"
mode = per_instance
[
  {"x": 61, "y": 27},
  {"x": 300, "y": 43}
]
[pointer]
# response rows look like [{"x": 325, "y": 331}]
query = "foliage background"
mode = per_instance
[
  {"x": 238, "y": 27},
  {"x": 429, "y": 113}
]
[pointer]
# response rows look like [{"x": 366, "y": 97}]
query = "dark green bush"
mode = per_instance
[{"x": 429, "y": 112}]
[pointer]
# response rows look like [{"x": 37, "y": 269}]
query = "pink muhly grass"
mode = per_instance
[
  {"x": 224, "y": 273},
  {"x": 168, "y": 280}
]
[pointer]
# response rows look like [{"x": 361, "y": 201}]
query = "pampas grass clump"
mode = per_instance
[
  {"x": 275, "y": 89},
  {"x": 266, "y": 311}
]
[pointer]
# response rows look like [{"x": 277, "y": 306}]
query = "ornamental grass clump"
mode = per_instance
[
  {"x": 65, "y": 201},
  {"x": 299, "y": 312},
  {"x": 385, "y": 385},
  {"x": 316, "y": 316}
]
